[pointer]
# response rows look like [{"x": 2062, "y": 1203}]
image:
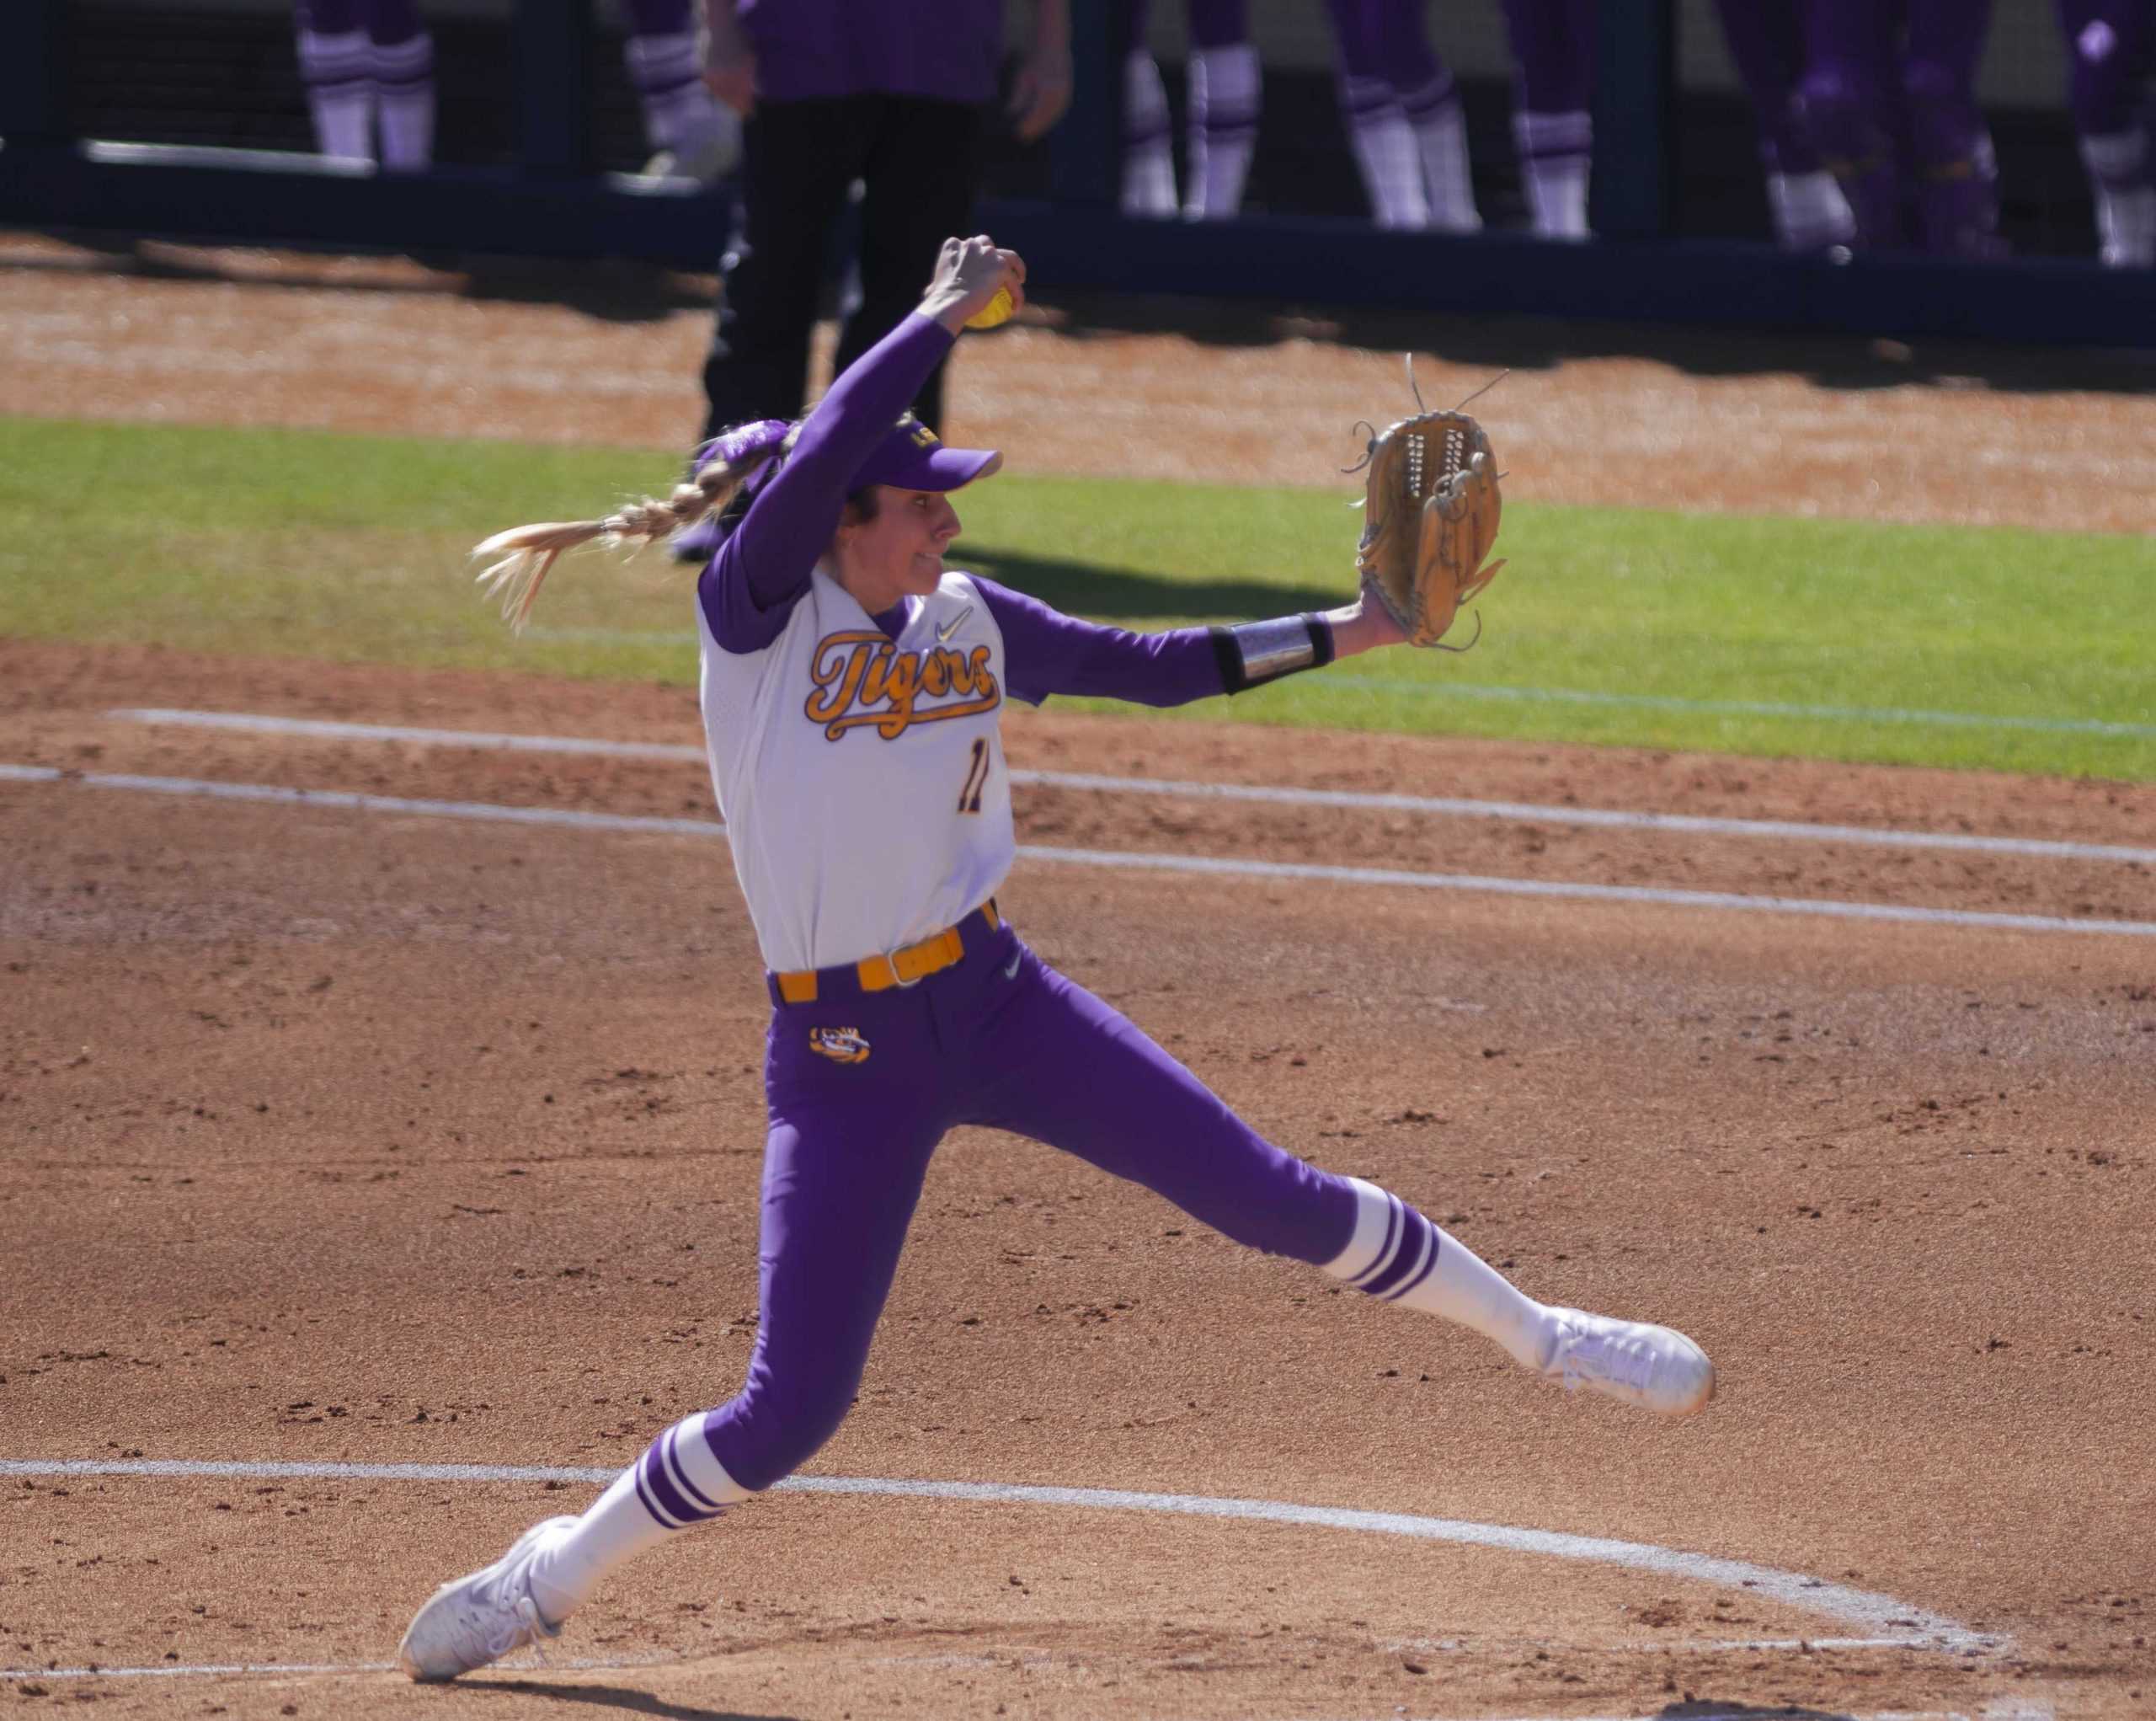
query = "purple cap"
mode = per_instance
[{"x": 910, "y": 458}]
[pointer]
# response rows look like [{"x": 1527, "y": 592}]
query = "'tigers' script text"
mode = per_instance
[{"x": 863, "y": 680}]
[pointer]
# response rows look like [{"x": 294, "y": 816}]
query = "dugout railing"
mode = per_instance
[{"x": 550, "y": 201}]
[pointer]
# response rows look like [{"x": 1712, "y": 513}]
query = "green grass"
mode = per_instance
[{"x": 1935, "y": 645}]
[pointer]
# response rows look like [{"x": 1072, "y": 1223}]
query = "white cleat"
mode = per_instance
[
  {"x": 1657, "y": 1368},
  {"x": 483, "y": 1616}
]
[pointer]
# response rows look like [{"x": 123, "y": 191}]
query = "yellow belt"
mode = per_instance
[{"x": 879, "y": 974}]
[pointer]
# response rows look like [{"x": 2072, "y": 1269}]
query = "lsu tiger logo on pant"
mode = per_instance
[{"x": 841, "y": 1045}]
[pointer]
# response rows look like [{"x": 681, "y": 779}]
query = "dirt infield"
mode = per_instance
[{"x": 348, "y": 1137}]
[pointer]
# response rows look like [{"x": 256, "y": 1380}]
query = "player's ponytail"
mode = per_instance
[{"x": 724, "y": 468}]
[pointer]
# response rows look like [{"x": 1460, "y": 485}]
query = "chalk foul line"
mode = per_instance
[
  {"x": 1204, "y": 865},
  {"x": 1279, "y": 795},
  {"x": 1881, "y": 1620}
]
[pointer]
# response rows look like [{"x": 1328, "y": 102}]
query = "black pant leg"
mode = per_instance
[
  {"x": 799, "y": 160},
  {"x": 919, "y": 174}
]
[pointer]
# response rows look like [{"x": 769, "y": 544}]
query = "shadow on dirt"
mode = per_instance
[
  {"x": 610, "y": 290},
  {"x": 1543, "y": 343},
  {"x": 1714, "y": 1710},
  {"x": 612, "y": 1696},
  {"x": 621, "y": 291}
]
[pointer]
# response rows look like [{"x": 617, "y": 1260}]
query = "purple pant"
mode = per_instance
[
  {"x": 1766, "y": 40},
  {"x": 1553, "y": 45},
  {"x": 661, "y": 17},
  {"x": 1552, "y": 42},
  {"x": 1214, "y": 24},
  {"x": 1888, "y": 97},
  {"x": 1383, "y": 39},
  {"x": 999, "y": 1040}
]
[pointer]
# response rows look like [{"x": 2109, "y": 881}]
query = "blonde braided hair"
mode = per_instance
[{"x": 528, "y": 553}]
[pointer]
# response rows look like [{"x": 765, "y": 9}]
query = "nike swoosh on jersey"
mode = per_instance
[{"x": 944, "y": 631}]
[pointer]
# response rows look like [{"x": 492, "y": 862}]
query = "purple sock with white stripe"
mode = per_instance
[
  {"x": 1383, "y": 146},
  {"x": 677, "y": 1485},
  {"x": 336, "y": 71},
  {"x": 404, "y": 82},
  {"x": 1439, "y": 123},
  {"x": 1397, "y": 1255},
  {"x": 679, "y": 1480}
]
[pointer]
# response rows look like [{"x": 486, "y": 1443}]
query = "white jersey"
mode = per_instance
[{"x": 862, "y": 779}]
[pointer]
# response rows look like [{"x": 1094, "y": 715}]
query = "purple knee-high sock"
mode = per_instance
[
  {"x": 1553, "y": 62},
  {"x": 336, "y": 61},
  {"x": 1226, "y": 88},
  {"x": 404, "y": 82},
  {"x": 1378, "y": 132}
]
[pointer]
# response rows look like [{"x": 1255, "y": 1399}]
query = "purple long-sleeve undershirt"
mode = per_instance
[
  {"x": 749, "y": 587},
  {"x": 1045, "y": 652}
]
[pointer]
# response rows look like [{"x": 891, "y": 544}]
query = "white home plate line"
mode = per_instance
[
  {"x": 1441, "y": 805},
  {"x": 1216, "y": 866},
  {"x": 1891, "y": 1623}
]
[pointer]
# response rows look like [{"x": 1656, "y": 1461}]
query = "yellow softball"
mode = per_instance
[{"x": 996, "y": 311}]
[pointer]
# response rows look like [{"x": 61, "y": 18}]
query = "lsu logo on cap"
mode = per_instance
[
  {"x": 841, "y": 1045},
  {"x": 923, "y": 437}
]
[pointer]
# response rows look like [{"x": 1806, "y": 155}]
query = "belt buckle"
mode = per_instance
[
  {"x": 935, "y": 939},
  {"x": 887, "y": 958}
]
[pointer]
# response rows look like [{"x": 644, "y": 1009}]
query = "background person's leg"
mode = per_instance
[
  {"x": 1226, "y": 87},
  {"x": 1806, "y": 206},
  {"x": 2111, "y": 44},
  {"x": 1553, "y": 45},
  {"x": 797, "y": 160},
  {"x": 690, "y": 132},
  {"x": 1850, "y": 94},
  {"x": 404, "y": 85},
  {"x": 919, "y": 170},
  {"x": 1430, "y": 98},
  {"x": 1149, "y": 167},
  {"x": 1379, "y": 134},
  {"x": 1950, "y": 144},
  {"x": 336, "y": 59}
]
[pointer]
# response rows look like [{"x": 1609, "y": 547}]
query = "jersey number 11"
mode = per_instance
[{"x": 976, "y": 778}]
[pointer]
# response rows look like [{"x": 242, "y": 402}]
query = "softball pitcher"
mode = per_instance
[{"x": 851, "y": 691}]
